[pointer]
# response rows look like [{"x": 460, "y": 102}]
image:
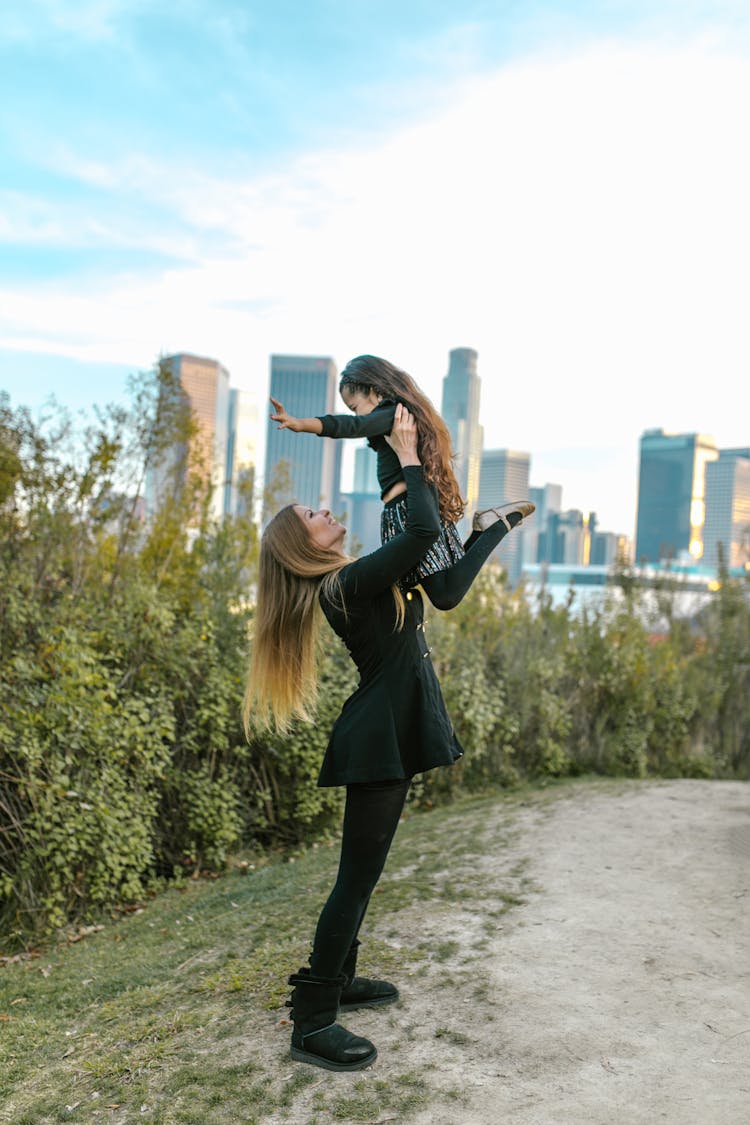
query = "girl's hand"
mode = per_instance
[
  {"x": 403, "y": 437},
  {"x": 286, "y": 421}
]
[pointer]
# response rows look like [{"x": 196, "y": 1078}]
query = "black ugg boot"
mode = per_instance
[
  {"x": 361, "y": 992},
  {"x": 317, "y": 1038}
]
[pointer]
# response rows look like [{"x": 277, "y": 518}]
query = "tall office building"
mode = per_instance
[
  {"x": 303, "y": 467},
  {"x": 671, "y": 495},
  {"x": 241, "y": 453},
  {"x": 460, "y": 411},
  {"x": 548, "y": 501},
  {"x": 366, "y": 471},
  {"x": 205, "y": 385},
  {"x": 608, "y": 549},
  {"x": 505, "y": 476},
  {"x": 728, "y": 509},
  {"x": 363, "y": 504},
  {"x": 566, "y": 539}
]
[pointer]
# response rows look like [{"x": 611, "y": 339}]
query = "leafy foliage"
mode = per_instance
[
  {"x": 122, "y": 662},
  {"x": 123, "y": 650}
]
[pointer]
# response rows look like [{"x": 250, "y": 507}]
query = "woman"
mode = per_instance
[
  {"x": 394, "y": 725},
  {"x": 371, "y": 387}
]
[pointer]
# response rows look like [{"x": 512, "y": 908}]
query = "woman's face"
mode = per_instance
[
  {"x": 322, "y": 528},
  {"x": 359, "y": 402}
]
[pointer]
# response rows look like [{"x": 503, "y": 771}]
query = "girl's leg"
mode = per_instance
[
  {"x": 371, "y": 817},
  {"x": 447, "y": 588}
]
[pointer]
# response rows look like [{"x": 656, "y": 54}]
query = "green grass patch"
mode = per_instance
[{"x": 174, "y": 1013}]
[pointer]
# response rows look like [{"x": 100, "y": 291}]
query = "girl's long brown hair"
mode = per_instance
[
  {"x": 282, "y": 676},
  {"x": 366, "y": 372}
]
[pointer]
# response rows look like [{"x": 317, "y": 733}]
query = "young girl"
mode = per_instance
[
  {"x": 394, "y": 725},
  {"x": 372, "y": 388}
]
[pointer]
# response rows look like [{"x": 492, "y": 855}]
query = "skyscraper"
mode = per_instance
[
  {"x": 241, "y": 453},
  {"x": 205, "y": 384},
  {"x": 305, "y": 467},
  {"x": 566, "y": 539},
  {"x": 363, "y": 503},
  {"x": 608, "y": 549},
  {"x": 505, "y": 476},
  {"x": 460, "y": 411},
  {"x": 548, "y": 501},
  {"x": 366, "y": 471},
  {"x": 728, "y": 509},
  {"x": 671, "y": 495}
]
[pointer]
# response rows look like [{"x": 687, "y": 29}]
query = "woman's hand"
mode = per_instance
[{"x": 403, "y": 437}]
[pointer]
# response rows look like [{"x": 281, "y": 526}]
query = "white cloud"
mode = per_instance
[
  {"x": 582, "y": 222},
  {"x": 89, "y": 20}
]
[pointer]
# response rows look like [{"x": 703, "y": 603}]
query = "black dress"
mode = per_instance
[{"x": 395, "y": 724}]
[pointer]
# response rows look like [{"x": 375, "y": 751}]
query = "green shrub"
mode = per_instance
[{"x": 123, "y": 649}]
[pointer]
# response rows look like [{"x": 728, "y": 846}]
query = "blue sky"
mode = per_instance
[{"x": 562, "y": 186}]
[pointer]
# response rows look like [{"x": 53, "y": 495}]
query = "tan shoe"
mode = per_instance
[{"x": 485, "y": 519}]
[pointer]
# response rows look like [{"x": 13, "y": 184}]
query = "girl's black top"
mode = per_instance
[
  {"x": 374, "y": 426},
  {"x": 395, "y": 724}
]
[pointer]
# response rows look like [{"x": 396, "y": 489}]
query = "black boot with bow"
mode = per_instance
[{"x": 317, "y": 1038}]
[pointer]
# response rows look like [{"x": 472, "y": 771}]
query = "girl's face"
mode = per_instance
[
  {"x": 359, "y": 402},
  {"x": 322, "y": 528}
]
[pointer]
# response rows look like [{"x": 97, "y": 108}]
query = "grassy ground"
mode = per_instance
[{"x": 175, "y": 1013}]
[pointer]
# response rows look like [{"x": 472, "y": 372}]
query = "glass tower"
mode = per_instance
[
  {"x": 366, "y": 471},
  {"x": 505, "y": 476},
  {"x": 241, "y": 453},
  {"x": 303, "y": 467},
  {"x": 363, "y": 504},
  {"x": 566, "y": 539},
  {"x": 205, "y": 383},
  {"x": 548, "y": 501},
  {"x": 728, "y": 509},
  {"x": 672, "y": 495},
  {"x": 460, "y": 411}
]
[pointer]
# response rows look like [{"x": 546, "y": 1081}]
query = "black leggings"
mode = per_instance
[
  {"x": 447, "y": 588},
  {"x": 371, "y": 817}
]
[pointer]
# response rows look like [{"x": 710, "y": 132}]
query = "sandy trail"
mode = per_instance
[
  {"x": 616, "y": 993},
  {"x": 620, "y": 991}
]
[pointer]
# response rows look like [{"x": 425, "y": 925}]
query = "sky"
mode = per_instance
[{"x": 562, "y": 186}]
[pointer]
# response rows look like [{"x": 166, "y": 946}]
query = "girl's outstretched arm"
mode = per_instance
[
  {"x": 378, "y": 423},
  {"x": 297, "y": 425}
]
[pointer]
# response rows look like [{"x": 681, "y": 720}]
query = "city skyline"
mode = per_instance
[
  {"x": 558, "y": 187},
  {"x": 257, "y": 438},
  {"x": 693, "y": 498},
  {"x": 684, "y": 514}
]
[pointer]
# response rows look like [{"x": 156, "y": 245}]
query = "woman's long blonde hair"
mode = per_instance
[
  {"x": 370, "y": 372},
  {"x": 282, "y": 676}
]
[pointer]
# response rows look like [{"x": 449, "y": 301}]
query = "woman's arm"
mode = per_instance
[{"x": 377, "y": 571}]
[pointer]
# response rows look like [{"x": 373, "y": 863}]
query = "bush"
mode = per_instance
[{"x": 123, "y": 653}]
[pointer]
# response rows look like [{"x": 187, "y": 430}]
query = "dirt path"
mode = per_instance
[
  {"x": 578, "y": 957},
  {"x": 620, "y": 992}
]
